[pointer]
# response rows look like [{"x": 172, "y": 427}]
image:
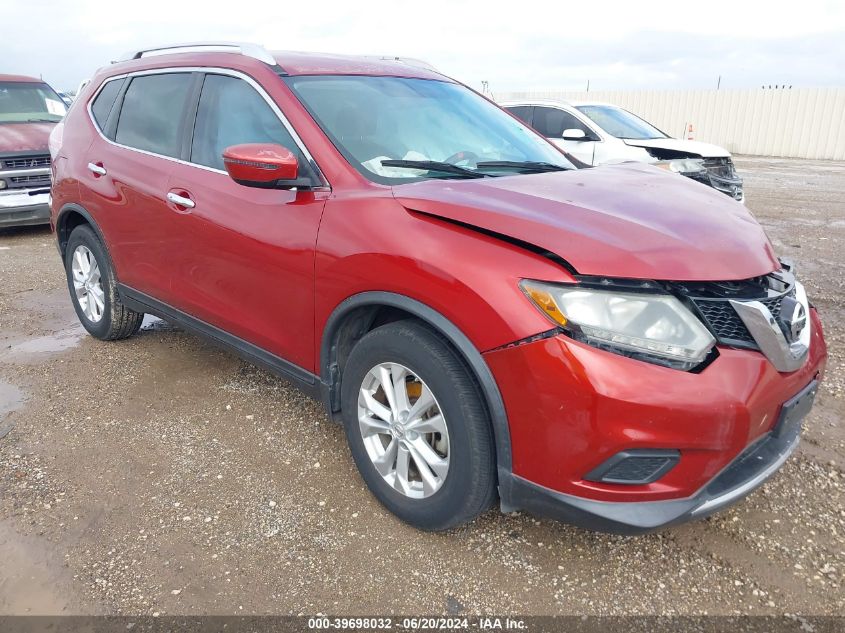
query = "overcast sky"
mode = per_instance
[{"x": 515, "y": 45}]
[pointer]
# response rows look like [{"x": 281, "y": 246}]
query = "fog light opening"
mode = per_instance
[{"x": 635, "y": 467}]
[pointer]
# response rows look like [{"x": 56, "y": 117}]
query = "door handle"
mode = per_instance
[
  {"x": 96, "y": 169},
  {"x": 180, "y": 201}
]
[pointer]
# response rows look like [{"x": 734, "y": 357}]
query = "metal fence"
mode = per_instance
[{"x": 795, "y": 123}]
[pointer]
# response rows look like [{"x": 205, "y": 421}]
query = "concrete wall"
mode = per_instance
[{"x": 797, "y": 123}]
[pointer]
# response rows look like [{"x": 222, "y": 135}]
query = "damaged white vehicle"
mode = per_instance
[{"x": 598, "y": 133}]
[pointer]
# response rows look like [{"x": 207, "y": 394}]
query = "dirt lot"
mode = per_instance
[{"x": 161, "y": 475}]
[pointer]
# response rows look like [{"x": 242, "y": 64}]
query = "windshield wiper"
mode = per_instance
[
  {"x": 433, "y": 165},
  {"x": 526, "y": 165},
  {"x": 41, "y": 121}
]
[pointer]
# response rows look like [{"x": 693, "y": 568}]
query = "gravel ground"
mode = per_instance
[{"x": 161, "y": 475}]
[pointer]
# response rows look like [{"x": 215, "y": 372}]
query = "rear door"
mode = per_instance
[
  {"x": 551, "y": 122},
  {"x": 243, "y": 257},
  {"x": 129, "y": 165}
]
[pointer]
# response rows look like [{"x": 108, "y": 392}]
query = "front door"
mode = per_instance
[
  {"x": 551, "y": 123},
  {"x": 244, "y": 257}
]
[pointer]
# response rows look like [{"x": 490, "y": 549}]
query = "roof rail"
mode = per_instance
[
  {"x": 255, "y": 51},
  {"x": 409, "y": 61}
]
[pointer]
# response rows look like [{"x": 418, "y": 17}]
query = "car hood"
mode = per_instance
[
  {"x": 705, "y": 150},
  {"x": 629, "y": 220},
  {"x": 24, "y": 137}
]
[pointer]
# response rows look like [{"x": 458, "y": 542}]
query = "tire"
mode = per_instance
[
  {"x": 468, "y": 487},
  {"x": 108, "y": 319}
]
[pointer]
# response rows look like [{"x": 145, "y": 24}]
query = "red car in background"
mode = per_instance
[
  {"x": 616, "y": 347},
  {"x": 29, "y": 109}
]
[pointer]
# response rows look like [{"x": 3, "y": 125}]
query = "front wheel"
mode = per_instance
[{"x": 417, "y": 427}]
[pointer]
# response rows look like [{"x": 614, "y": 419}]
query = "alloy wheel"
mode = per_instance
[
  {"x": 87, "y": 284},
  {"x": 404, "y": 430}
]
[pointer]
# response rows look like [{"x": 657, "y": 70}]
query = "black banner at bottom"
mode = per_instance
[{"x": 515, "y": 624}]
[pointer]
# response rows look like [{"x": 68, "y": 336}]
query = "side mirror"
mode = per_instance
[
  {"x": 574, "y": 134},
  {"x": 264, "y": 165}
]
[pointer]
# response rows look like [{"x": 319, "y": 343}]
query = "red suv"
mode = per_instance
[{"x": 615, "y": 347}]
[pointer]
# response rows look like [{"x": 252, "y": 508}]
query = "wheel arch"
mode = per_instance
[
  {"x": 69, "y": 217},
  {"x": 356, "y": 315}
]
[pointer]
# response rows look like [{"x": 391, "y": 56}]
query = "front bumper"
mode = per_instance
[
  {"x": 24, "y": 207},
  {"x": 730, "y": 186},
  {"x": 746, "y": 473},
  {"x": 571, "y": 407}
]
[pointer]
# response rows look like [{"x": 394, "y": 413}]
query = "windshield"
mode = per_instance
[
  {"x": 416, "y": 122},
  {"x": 29, "y": 102},
  {"x": 620, "y": 123}
]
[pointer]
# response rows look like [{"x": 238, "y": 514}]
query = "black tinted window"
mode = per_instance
[
  {"x": 551, "y": 122},
  {"x": 151, "y": 116},
  {"x": 523, "y": 113},
  {"x": 231, "y": 112},
  {"x": 104, "y": 101}
]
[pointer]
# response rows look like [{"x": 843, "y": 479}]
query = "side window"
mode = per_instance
[
  {"x": 151, "y": 115},
  {"x": 551, "y": 122},
  {"x": 231, "y": 112},
  {"x": 102, "y": 105},
  {"x": 523, "y": 113}
]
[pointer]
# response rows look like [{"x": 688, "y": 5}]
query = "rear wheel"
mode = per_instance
[
  {"x": 93, "y": 288},
  {"x": 417, "y": 427}
]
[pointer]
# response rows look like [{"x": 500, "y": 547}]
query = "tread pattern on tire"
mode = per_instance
[{"x": 471, "y": 396}]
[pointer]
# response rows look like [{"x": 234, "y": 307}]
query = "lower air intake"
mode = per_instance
[{"x": 635, "y": 467}]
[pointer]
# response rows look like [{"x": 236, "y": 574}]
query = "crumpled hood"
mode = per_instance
[
  {"x": 705, "y": 150},
  {"x": 24, "y": 137},
  {"x": 629, "y": 220}
]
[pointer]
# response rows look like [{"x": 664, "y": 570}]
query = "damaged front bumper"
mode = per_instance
[{"x": 720, "y": 174}]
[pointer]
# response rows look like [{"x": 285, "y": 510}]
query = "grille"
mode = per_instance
[
  {"x": 30, "y": 162},
  {"x": 41, "y": 179},
  {"x": 720, "y": 167},
  {"x": 723, "y": 177},
  {"x": 725, "y": 322}
]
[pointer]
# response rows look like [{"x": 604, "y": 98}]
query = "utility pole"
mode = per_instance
[
  {"x": 719, "y": 82},
  {"x": 588, "y": 85}
]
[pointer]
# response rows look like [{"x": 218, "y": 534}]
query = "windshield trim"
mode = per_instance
[{"x": 385, "y": 180}]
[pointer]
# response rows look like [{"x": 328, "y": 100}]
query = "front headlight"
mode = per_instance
[
  {"x": 652, "y": 327},
  {"x": 682, "y": 165}
]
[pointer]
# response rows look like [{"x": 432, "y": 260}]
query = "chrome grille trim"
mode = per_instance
[
  {"x": 716, "y": 304},
  {"x": 786, "y": 356},
  {"x": 25, "y": 162}
]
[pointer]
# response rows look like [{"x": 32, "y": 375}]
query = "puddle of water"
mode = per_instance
[
  {"x": 154, "y": 324},
  {"x": 34, "y": 350},
  {"x": 11, "y": 399},
  {"x": 34, "y": 580},
  {"x": 31, "y": 350}
]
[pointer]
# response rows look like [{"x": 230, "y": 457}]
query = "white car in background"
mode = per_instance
[{"x": 599, "y": 133}]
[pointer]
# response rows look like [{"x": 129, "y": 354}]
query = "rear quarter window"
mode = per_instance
[
  {"x": 152, "y": 111},
  {"x": 104, "y": 101}
]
